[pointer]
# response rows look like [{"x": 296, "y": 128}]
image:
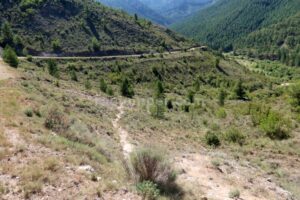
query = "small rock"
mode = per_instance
[
  {"x": 86, "y": 168},
  {"x": 269, "y": 180}
]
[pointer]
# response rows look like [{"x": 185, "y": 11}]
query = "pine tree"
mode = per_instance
[
  {"x": 159, "y": 90},
  {"x": 10, "y": 57},
  {"x": 217, "y": 62},
  {"x": 170, "y": 104},
  {"x": 136, "y": 17},
  {"x": 191, "y": 96},
  {"x": 18, "y": 44},
  {"x": 103, "y": 85},
  {"x": 73, "y": 75},
  {"x": 297, "y": 60},
  {"x": 126, "y": 88},
  {"x": 88, "y": 84},
  {"x": 295, "y": 94},
  {"x": 222, "y": 96},
  {"x": 53, "y": 69},
  {"x": 239, "y": 90},
  {"x": 197, "y": 85},
  {"x": 158, "y": 109},
  {"x": 7, "y": 35}
]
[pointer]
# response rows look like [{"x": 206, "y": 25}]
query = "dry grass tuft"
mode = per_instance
[{"x": 149, "y": 165}]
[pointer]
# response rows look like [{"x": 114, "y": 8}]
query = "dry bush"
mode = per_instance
[
  {"x": 33, "y": 178},
  {"x": 149, "y": 165},
  {"x": 51, "y": 164},
  {"x": 56, "y": 121}
]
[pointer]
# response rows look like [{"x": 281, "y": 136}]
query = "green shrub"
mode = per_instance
[
  {"x": 275, "y": 126},
  {"x": 10, "y": 57},
  {"x": 258, "y": 112},
  {"x": 29, "y": 113},
  {"x": 110, "y": 91},
  {"x": 221, "y": 113},
  {"x": 235, "y": 136},
  {"x": 73, "y": 75},
  {"x": 149, "y": 165},
  {"x": 270, "y": 122},
  {"x": 56, "y": 46},
  {"x": 148, "y": 190},
  {"x": 186, "y": 108},
  {"x": 234, "y": 194},
  {"x": 29, "y": 58},
  {"x": 37, "y": 112},
  {"x": 95, "y": 44},
  {"x": 212, "y": 139}
]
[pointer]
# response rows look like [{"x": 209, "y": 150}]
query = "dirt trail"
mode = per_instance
[
  {"x": 5, "y": 71},
  {"x": 126, "y": 146},
  {"x": 203, "y": 179}
]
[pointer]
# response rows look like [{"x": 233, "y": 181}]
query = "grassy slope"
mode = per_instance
[
  {"x": 224, "y": 23},
  {"x": 74, "y": 23},
  {"x": 91, "y": 112}
]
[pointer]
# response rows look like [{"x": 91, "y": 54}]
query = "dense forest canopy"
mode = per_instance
[{"x": 229, "y": 23}]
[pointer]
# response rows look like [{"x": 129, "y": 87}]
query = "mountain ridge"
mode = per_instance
[
  {"x": 225, "y": 21},
  {"x": 73, "y": 27}
]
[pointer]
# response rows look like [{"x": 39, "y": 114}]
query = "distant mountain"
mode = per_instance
[
  {"x": 176, "y": 10},
  {"x": 223, "y": 23},
  {"x": 137, "y": 7},
  {"x": 164, "y": 12},
  {"x": 254, "y": 27},
  {"x": 78, "y": 27}
]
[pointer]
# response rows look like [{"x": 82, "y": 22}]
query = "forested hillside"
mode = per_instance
[
  {"x": 226, "y": 24},
  {"x": 75, "y": 27},
  {"x": 279, "y": 41}
]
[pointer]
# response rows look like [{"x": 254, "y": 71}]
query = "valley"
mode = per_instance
[{"x": 166, "y": 12}]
